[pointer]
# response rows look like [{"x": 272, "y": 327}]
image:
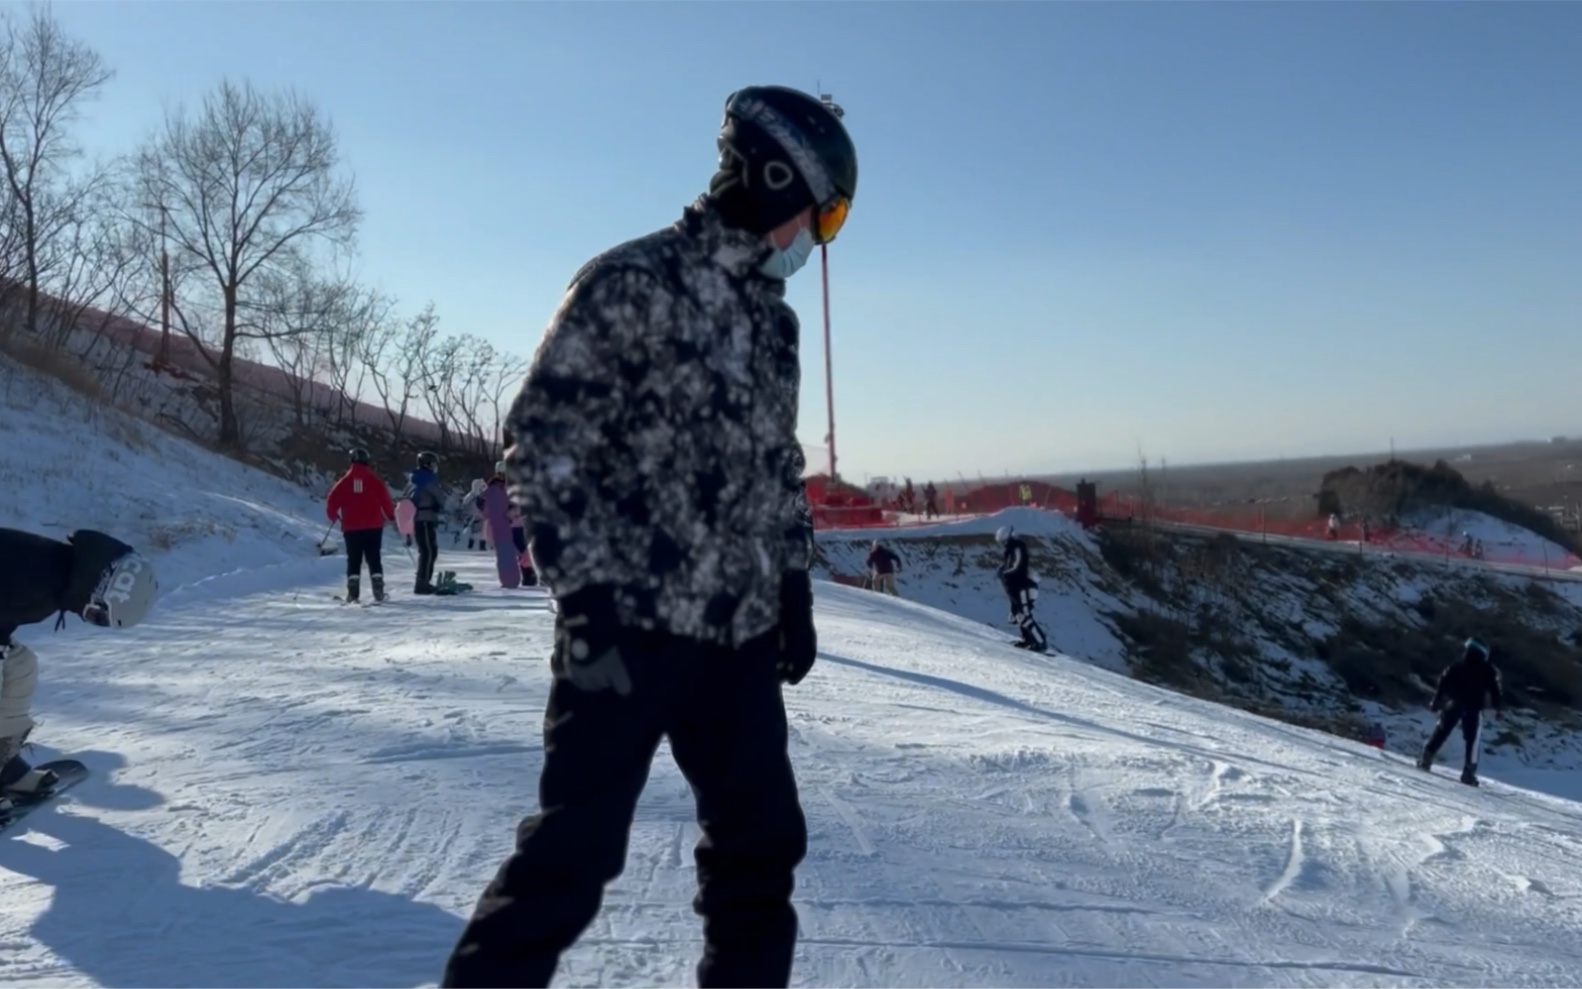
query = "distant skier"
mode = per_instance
[
  {"x": 360, "y": 501},
  {"x": 474, "y": 509},
  {"x": 883, "y": 565},
  {"x": 657, "y": 464},
  {"x": 97, "y": 577},
  {"x": 930, "y": 500},
  {"x": 1021, "y": 586},
  {"x": 1464, "y": 687},
  {"x": 429, "y": 501}
]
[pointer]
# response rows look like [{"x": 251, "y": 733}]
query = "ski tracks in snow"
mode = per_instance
[{"x": 322, "y": 806}]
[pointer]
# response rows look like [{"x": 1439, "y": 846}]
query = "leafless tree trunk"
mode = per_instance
[
  {"x": 402, "y": 380},
  {"x": 440, "y": 366},
  {"x": 45, "y": 77},
  {"x": 249, "y": 186},
  {"x": 504, "y": 381},
  {"x": 469, "y": 389},
  {"x": 294, "y": 314},
  {"x": 367, "y": 314}
]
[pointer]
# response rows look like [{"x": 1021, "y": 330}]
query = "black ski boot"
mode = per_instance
[
  {"x": 378, "y": 581},
  {"x": 1470, "y": 777},
  {"x": 352, "y": 589},
  {"x": 1425, "y": 762}
]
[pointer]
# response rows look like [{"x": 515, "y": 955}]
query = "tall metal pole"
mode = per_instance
[{"x": 829, "y": 373}]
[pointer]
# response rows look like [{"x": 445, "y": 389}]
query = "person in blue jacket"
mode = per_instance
[{"x": 429, "y": 500}]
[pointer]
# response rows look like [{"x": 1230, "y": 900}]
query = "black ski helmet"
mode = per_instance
[
  {"x": 359, "y": 455},
  {"x": 782, "y": 151},
  {"x": 1476, "y": 651},
  {"x": 428, "y": 459}
]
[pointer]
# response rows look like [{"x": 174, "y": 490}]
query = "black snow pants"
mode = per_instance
[
  {"x": 1471, "y": 721},
  {"x": 427, "y": 534},
  {"x": 724, "y": 715},
  {"x": 363, "y": 546},
  {"x": 1022, "y": 596}
]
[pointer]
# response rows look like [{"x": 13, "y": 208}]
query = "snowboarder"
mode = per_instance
[
  {"x": 1021, "y": 586},
  {"x": 883, "y": 565},
  {"x": 657, "y": 464},
  {"x": 360, "y": 501},
  {"x": 424, "y": 493},
  {"x": 97, "y": 577},
  {"x": 1464, "y": 687},
  {"x": 500, "y": 514}
]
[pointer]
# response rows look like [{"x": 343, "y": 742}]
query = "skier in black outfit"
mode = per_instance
[
  {"x": 429, "y": 500},
  {"x": 1021, "y": 586},
  {"x": 92, "y": 575},
  {"x": 657, "y": 465},
  {"x": 1464, "y": 687}
]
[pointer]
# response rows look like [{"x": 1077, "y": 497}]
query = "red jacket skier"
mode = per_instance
[{"x": 361, "y": 501}]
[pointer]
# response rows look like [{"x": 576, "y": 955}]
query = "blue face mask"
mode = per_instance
[{"x": 785, "y": 262}]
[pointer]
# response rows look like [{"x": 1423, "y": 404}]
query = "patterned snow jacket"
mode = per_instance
[{"x": 656, "y": 447}]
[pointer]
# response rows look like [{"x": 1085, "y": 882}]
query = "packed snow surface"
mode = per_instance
[
  {"x": 288, "y": 791},
  {"x": 292, "y": 792}
]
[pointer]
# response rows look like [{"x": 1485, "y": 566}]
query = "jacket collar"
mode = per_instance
[{"x": 737, "y": 251}]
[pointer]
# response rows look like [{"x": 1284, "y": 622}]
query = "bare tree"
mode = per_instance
[
  {"x": 505, "y": 375},
  {"x": 296, "y": 315},
  {"x": 250, "y": 187},
  {"x": 397, "y": 373},
  {"x": 469, "y": 391},
  {"x": 45, "y": 78},
  {"x": 441, "y": 367},
  {"x": 366, "y": 315}
]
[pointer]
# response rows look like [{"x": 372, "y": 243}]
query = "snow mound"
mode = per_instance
[
  {"x": 1501, "y": 540},
  {"x": 952, "y": 566}
]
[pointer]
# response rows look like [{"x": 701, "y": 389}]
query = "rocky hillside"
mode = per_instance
[{"x": 1328, "y": 640}]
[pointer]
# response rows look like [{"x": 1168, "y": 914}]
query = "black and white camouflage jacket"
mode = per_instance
[{"x": 655, "y": 436}]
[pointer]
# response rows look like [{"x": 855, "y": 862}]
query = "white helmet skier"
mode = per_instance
[
  {"x": 124, "y": 595},
  {"x": 1003, "y": 533},
  {"x": 90, "y": 574}
]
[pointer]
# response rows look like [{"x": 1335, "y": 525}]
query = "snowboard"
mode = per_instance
[
  {"x": 406, "y": 517},
  {"x": 70, "y": 771},
  {"x": 497, "y": 509},
  {"x": 447, "y": 584}
]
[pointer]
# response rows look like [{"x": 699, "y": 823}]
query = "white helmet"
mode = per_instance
[
  {"x": 499, "y": 466},
  {"x": 125, "y": 593},
  {"x": 1003, "y": 533}
]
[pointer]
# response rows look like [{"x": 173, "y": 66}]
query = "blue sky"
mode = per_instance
[{"x": 1220, "y": 231}]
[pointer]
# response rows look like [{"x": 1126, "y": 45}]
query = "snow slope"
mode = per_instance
[
  {"x": 290, "y": 792},
  {"x": 68, "y": 464},
  {"x": 1501, "y": 540},
  {"x": 951, "y": 565}
]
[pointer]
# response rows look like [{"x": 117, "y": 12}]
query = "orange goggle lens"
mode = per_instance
[{"x": 830, "y": 219}]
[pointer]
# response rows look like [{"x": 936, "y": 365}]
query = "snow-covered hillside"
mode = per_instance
[
  {"x": 67, "y": 463},
  {"x": 292, "y": 792},
  {"x": 951, "y": 566},
  {"x": 1320, "y": 637}
]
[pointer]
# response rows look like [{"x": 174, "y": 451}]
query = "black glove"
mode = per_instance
[
  {"x": 586, "y": 652},
  {"x": 798, "y": 639}
]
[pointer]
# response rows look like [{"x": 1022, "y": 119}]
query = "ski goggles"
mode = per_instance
[
  {"x": 829, "y": 218},
  {"x": 97, "y": 612}
]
